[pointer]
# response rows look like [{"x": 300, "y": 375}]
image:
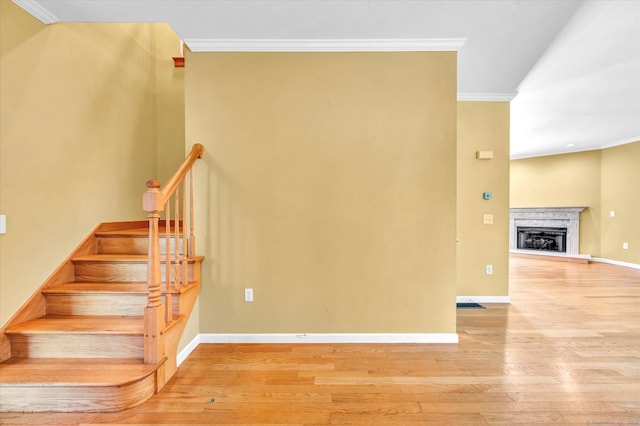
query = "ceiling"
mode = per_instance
[{"x": 570, "y": 68}]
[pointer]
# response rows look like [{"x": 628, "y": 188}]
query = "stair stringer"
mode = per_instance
[
  {"x": 36, "y": 305},
  {"x": 173, "y": 332}
]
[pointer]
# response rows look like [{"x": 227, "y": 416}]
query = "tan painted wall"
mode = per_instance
[
  {"x": 562, "y": 180},
  {"x": 169, "y": 95},
  {"x": 78, "y": 115},
  {"x": 621, "y": 193},
  {"x": 329, "y": 187},
  {"x": 483, "y": 126}
]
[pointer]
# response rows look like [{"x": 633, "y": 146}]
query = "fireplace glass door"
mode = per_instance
[{"x": 540, "y": 238}]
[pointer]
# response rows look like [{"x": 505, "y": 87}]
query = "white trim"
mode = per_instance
[
  {"x": 483, "y": 299},
  {"x": 186, "y": 351},
  {"x": 325, "y": 45},
  {"x": 578, "y": 256},
  {"x": 486, "y": 97},
  {"x": 39, "y": 12},
  {"x": 317, "y": 338},
  {"x": 616, "y": 262},
  {"x": 330, "y": 338}
]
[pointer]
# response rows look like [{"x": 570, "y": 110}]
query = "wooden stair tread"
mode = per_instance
[
  {"x": 123, "y": 258},
  {"x": 131, "y": 232},
  {"x": 110, "y": 288},
  {"x": 73, "y": 371},
  {"x": 98, "y": 287},
  {"x": 133, "y": 258},
  {"x": 142, "y": 231},
  {"x": 78, "y": 324}
]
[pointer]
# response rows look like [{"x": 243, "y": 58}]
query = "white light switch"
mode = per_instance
[
  {"x": 248, "y": 295},
  {"x": 612, "y": 213},
  {"x": 3, "y": 224}
]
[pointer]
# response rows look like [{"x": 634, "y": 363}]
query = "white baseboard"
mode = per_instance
[
  {"x": 331, "y": 338},
  {"x": 315, "y": 338},
  {"x": 186, "y": 351},
  {"x": 615, "y": 262},
  {"x": 483, "y": 299}
]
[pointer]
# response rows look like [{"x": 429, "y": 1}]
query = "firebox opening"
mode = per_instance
[{"x": 539, "y": 238}]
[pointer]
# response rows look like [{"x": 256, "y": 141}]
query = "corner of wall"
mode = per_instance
[{"x": 483, "y": 131}]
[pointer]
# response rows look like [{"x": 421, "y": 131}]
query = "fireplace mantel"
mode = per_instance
[{"x": 547, "y": 217}]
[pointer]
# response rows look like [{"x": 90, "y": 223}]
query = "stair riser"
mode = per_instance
[
  {"x": 117, "y": 272},
  {"x": 96, "y": 304},
  {"x": 132, "y": 245},
  {"x": 52, "y": 345},
  {"x": 76, "y": 398}
]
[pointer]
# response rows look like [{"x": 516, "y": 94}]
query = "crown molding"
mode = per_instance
[
  {"x": 486, "y": 97},
  {"x": 324, "y": 45},
  {"x": 36, "y": 9}
]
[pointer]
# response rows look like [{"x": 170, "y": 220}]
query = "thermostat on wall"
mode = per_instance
[{"x": 487, "y": 195}]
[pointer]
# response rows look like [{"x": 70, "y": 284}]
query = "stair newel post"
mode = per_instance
[{"x": 153, "y": 313}]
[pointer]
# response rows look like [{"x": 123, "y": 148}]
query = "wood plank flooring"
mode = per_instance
[{"x": 565, "y": 351}]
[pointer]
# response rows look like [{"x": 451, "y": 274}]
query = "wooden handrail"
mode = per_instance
[
  {"x": 159, "y": 198},
  {"x": 155, "y": 200}
]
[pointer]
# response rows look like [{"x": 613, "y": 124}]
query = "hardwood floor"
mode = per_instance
[{"x": 565, "y": 351}]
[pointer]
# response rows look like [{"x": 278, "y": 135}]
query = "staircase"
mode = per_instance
[
  {"x": 101, "y": 334},
  {"x": 86, "y": 352}
]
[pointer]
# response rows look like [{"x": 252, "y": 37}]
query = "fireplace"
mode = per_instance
[
  {"x": 539, "y": 238},
  {"x": 552, "y": 230}
]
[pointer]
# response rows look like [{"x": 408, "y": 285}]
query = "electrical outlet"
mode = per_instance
[
  {"x": 625, "y": 246},
  {"x": 3, "y": 224},
  {"x": 487, "y": 219},
  {"x": 488, "y": 269},
  {"x": 248, "y": 295}
]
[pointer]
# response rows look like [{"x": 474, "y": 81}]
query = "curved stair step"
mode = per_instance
[{"x": 72, "y": 384}]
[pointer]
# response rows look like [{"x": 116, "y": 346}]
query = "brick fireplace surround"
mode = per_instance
[{"x": 546, "y": 217}]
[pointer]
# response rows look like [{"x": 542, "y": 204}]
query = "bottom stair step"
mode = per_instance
[{"x": 72, "y": 384}]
